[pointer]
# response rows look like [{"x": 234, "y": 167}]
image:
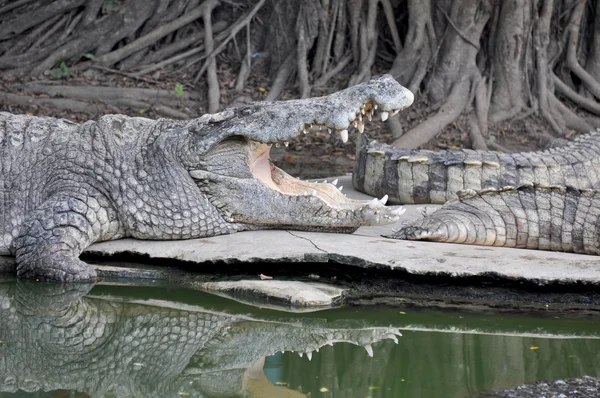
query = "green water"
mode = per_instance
[{"x": 162, "y": 341}]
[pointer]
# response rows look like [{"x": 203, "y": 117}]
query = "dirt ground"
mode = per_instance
[{"x": 314, "y": 155}]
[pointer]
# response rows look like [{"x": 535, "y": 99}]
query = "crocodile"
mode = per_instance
[
  {"x": 61, "y": 337},
  {"x": 547, "y": 200},
  {"x": 64, "y": 186},
  {"x": 555, "y": 218},
  {"x": 424, "y": 176}
]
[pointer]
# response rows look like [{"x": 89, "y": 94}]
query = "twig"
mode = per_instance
[
  {"x": 301, "y": 59},
  {"x": 235, "y": 29},
  {"x": 157, "y": 34},
  {"x": 321, "y": 81},
  {"x": 129, "y": 75},
  {"x": 327, "y": 51},
  {"x": 50, "y": 32},
  {"x": 170, "y": 61},
  {"x": 283, "y": 74},
  {"x": 214, "y": 94},
  {"x": 460, "y": 33},
  {"x": 13, "y": 5},
  {"x": 391, "y": 21}
]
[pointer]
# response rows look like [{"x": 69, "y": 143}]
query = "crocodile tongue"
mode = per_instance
[{"x": 262, "y": 167}]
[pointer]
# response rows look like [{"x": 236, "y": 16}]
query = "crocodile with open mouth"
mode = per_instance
[{"x": 64, "y": 186}]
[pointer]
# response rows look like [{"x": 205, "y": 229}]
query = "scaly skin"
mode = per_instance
[
  {"x": 532, "y": 217},
  {"x": 54, "y": 338},
  {"x": 422, "y": 176},
  {"x": 64, "y": 186}
]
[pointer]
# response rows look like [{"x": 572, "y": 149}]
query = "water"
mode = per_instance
[{"x": 165, "y": 341}]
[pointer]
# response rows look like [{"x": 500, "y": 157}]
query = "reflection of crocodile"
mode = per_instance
[
  {"x": 54, "y": 338},
  {"x": 64, "y": 186}
]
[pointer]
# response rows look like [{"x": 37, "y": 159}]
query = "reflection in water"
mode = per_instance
[
  {"x": 54, "y": 338},
  {"x": 59, "y": 340}
]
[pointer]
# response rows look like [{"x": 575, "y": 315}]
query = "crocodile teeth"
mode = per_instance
[
  {"x": 360, "y": 126},
  {"x": 373, "y": 203},
  {"x": 360, "y": 117},
  {"x": 286, "y": 144},
  {"x": 375, "y": 106},
  {"x": 340, "y": 188},
  {"x": 329, "y": 130},
  {"x": 334, "y": 182},
  {"x": 384, "y": 116},
  {"x": 301, "y": 354},
  {"x": 369, "y": 349},
  {"x": 383, "y": 200},
  {"x": 305, "y": 131},
  {"x": 370, "y": 115},
  {"x": 314, "y": 192},
  {"x": 344, "y": 135},
  {"x": 309, "y": 356},
  {"x": 393, "y": 338},
  {"x": 399, "y": 211},
  {"x": 394, "y": 113}
]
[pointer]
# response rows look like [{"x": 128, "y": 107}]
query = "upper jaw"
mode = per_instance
[{"x": 279, "y": 122}]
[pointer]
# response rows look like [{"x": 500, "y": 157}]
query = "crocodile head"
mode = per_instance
[{"x": 228, "y": 157}]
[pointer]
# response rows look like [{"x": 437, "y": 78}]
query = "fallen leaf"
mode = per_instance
[
  {"x": 533, "y": 348},
  {"x": 262, "y": 89},
  {"x": 323, "y": 389},
  {"x": 264, "y": 277},
  {"x": 402, "y": 312}
]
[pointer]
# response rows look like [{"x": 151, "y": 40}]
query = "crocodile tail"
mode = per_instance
[
  {"x": 423, "y": 176},
  {"x": 530, "y": 216}
]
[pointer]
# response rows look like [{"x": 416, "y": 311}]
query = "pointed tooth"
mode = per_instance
[
  {"x": 344, "y": 135},
  {"x": 369, "y": 349},
  {"x": 362, "y": 110},
  {"x": 334, "y": 182},
  {"x": 384, "y": 116},
  {"x": 360, "y": 117},
  {"x": 313, "y": 193},
  {"x": 393, "y": 338},
  {"x": 277, "y": 145},
  {"x": 328, "y": 130},
  {"x": 340, "y": 188},
  {"x": 399, "y": 211},
  {"x": 394, "y": 113},
  {"x": 370, "y": 115},
  {"x": 301, "y": 354},
  {"x": 361, "y": 127},
  {"x": 317, "y": 349},
  {"x": 355, "y": 123},
  {"x": 286, "y": 144},
  {"x": 373, "y": 204},
  {"x": 330, "y": 343},
  {"x": 375, "y": 107},
  {"x": 305, "y": 131},
  {"x": 383, "y": 200},
  {"x": 309, "y": 356}
]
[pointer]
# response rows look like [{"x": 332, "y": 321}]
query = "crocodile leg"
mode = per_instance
[
  {"x": 54, "y": 235},
  {"x": 533, "y": 217}
]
